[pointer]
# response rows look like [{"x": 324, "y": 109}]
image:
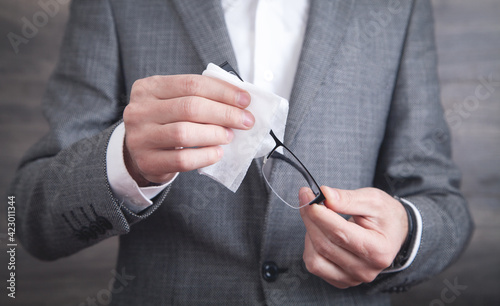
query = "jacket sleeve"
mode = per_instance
[
  {"x": 415, "y": 159},
  {"x": 64, "y": 200}
]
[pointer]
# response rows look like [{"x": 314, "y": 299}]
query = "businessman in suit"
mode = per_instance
[{"x": 364, "y": 115}]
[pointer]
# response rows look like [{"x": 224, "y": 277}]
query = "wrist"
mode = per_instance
[
  {"x": 133, "y": 170},
  {"x": 404, "y": 253}
]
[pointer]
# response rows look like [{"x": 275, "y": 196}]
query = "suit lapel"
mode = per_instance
[
  {"x": 326, "y": 28},
  {"x": 328, "y": 20},
  {"x": 206, "y": 27}
]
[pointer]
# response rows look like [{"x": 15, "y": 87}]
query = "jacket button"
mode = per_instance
[{"x": 270, "y": 271}]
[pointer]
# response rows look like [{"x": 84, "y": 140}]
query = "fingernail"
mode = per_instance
[
  {"x": 229, "y": 134},
  {"x": 243, "y": 99},
  {"x": 248, "y": 119}
]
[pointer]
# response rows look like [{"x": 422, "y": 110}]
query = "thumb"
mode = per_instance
[
  {"x": 350, "y": 202},
  {"x": 305, "y": 196}
]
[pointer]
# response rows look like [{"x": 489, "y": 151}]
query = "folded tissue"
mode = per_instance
[{"x": 270, "y": 112}]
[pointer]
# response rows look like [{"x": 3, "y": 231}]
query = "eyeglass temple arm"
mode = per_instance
[{"x": 230, "y": 69}]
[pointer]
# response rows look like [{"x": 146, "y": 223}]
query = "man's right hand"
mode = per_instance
[{"x": 192, "y": 112}]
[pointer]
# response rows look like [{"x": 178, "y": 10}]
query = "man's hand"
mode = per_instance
[
  {"x": 192, "y": 112},
  {"x": 346, "y": 253}
]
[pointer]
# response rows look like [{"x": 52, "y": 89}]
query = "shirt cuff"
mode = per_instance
[
  {"x": 124, "y": 187},
  {"x": 416, "y": 242}
]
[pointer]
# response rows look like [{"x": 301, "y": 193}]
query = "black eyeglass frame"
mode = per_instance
[{"x": 320, "y": 197}]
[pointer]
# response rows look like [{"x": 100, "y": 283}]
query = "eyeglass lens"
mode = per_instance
[{"x": 285, "y": 175}]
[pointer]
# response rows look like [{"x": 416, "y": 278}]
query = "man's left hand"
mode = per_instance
[{"x": 346, "y": 253}]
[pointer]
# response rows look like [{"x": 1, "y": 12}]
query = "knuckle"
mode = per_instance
[
  {"x": 137, "y": 84},
  {"x": 377, "y": 196},
  {"x": 179, "y": 134},
  {"x": 154, "y": 81},
  {"x": 323, "y": 247},
  {"x": 362, "y": 249},
  {"x": 220, "y": 135},
  {"x": 312, "y": 264},
  {"x": 134, "y": 114},
  {"x": 192, "y": 84},
  {"x": 380, "y": 258},
  {"x": 189, "y": 107},
  {"x": 353, "y": 283},
  {"x": 129, "y": 114},
  {"x": 365, "y": 277},
  {"x": 358, "y": 276},
  {"x": 340, "y": 285},
  {"x": 371, "y": 276},
  {"x": 378, "y": 253},
  {"x": 339, "y": 237},
  {"x": 230, "y": 115},
  {"x": 383, "y": 261},
  {"x": 182, "y": 162},
  {"x": 139, "y": 90}
]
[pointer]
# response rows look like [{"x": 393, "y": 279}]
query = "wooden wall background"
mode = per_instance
[{"x": 468, "y": 39}]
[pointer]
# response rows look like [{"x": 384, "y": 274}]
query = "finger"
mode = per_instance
[
  {"x": 188, "y": 134},
  {"x": 154, "y": 165},
  {"x": 359, "y": 269},
  {"x": 200, "y": 110},
  {"x": 338, "y": 231},
  {"x": 327, "y": 242},
  {"x": 175, "y": 86},
  {"x": 312, "y": 213},
  {"x": 365, "y": 202},
  {"x": 305, "y": 196},
  {"x": 322, "y": 267}
]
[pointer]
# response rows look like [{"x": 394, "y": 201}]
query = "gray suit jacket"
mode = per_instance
[{"x": 364, "y": 111}]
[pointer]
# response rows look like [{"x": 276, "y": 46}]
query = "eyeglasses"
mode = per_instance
[{"x": 284, "y": 172}]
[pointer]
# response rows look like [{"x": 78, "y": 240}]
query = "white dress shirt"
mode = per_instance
[{"x": 267, "y": 37}]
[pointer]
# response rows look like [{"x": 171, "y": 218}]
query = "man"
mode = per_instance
[{"x": 364, "y": 112}]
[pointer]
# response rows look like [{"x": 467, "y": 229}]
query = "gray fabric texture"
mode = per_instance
[{"x": 364, "y": 111}]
